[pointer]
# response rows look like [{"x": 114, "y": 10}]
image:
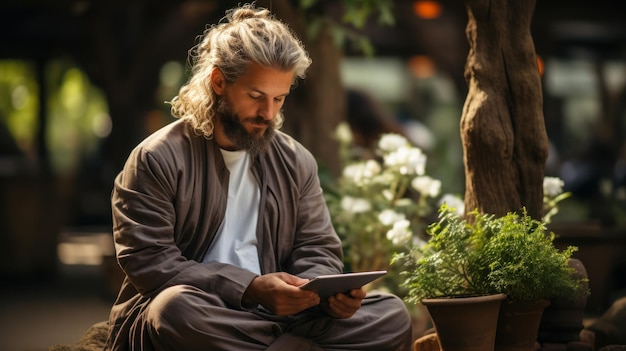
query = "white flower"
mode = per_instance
[
  {"x": 552, "y": 186},
  {"x": 355, "y": 205},
  {"x": 388, "y": 217},
  {"x": 391, "y": 142},
  {"x": 371, "y": 168},
  {"x": 426, "y": 185},
  {"x": 409, "y": 160},
  {"x": 351, "y": 171},
  {"x": 343, "y": 133},
  {"x": 400, "y": 233},
  {"x": 384, "y": 178},
  {"x": 361, "y": 171},
  {"x": 454, "y": 202}
]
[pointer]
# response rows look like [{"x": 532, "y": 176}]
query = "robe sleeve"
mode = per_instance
[
  {"x": 144, "y": 230},
  {"x": 317, "y": 249}
]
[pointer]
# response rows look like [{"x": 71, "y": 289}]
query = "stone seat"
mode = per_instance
[{"x": 93, "y": 340}]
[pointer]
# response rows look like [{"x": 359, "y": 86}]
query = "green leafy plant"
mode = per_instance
[
  {"x": 449, "y": 264},
  {"x": 524, "y": 263},
  {"x": 483, "y": 254}
]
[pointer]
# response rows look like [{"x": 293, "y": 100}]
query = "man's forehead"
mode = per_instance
[{"x": 267, "y": 80}]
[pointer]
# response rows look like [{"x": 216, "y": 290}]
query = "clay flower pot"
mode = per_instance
[
  {"x": 465, "y": 323},
  {"x": 518, "y": 324},
  {"x": 562, "y": 321}
]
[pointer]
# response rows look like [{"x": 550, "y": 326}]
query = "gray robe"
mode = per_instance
[{"x": 169, "y": 201}]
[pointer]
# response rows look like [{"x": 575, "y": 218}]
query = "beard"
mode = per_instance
[{"x": 254, "y": 143}]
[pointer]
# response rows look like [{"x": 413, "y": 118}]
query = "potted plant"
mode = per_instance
[
  {"x": 525, "y": 265},
  {"x": 480, "y": 255},
  {"x": 562, "y": 320},
  {"x": 449, "y": 275}
]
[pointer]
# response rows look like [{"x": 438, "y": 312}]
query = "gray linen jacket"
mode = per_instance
[{"x": 169, "y": 201}]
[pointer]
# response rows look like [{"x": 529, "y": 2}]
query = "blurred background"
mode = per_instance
[{"x": 82, "y": 82}]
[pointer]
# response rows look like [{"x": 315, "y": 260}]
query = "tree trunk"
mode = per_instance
[
  {"x": 318, "y": 104},
  {"x": 502, "y": 127}
]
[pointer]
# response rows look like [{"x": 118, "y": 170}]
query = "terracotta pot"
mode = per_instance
[
  {"x": 465, "y": 323},
  {"x": 562, "y": 321},
  {"x": 518, "y": 324}
]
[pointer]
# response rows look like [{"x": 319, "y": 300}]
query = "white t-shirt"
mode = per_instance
[{"x": 236, "y": 241}]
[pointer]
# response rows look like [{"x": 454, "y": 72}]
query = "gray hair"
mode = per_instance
[{"x": 245, "y": 35}]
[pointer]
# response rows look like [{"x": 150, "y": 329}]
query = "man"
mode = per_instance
[{"x": 219, "y": 217}]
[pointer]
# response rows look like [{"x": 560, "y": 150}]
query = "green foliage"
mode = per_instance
[
  {"x": 524, "y": 264},
  {"x": 356, "y": 14},
  {"x": 450, "y": 264},
  {"x": 483, "y": 255},
  {"x": 19, "y": 102},
  {"x": 76, "y": 111},
  {"x": 77, "y": 115}
]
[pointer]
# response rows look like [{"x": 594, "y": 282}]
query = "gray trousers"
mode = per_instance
[{"x": 186, "y": 318}]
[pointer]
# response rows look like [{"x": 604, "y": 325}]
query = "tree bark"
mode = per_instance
[
  {"x": 318, "y": 104},
  {"x": 502, "y": 127}
]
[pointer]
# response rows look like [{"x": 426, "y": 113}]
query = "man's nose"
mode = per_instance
[{"x": 267, "y": 110}]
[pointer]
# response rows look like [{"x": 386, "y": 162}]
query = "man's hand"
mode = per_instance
[
  {"x": 279, "y": 293},
  {"x": 344, "y": 305}
]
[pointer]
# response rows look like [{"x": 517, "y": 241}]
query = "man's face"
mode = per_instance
[
  {"x": 247, "y": 107},
  {"x": 234, "y": 129}
]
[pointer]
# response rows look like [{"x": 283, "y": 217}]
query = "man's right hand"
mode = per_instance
[{"x": 279, "y": 293}]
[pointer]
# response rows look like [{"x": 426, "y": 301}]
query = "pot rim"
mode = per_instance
[{"x": 463, "y": 299}]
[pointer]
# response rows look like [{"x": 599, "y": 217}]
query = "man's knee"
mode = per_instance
[
  {"x": 174, "y": 303},
  {"x": 393, "y": 322},
  {"x": 393, "y": 307},
  {"x": 165, "y": 305}
]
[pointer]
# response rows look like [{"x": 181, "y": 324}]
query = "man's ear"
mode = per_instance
[{"x": 218, "y": 81}]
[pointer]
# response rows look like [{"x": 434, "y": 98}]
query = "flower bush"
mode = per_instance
[{"x": 382, "y": 203}]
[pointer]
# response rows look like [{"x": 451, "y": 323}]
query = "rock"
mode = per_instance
[
  {"x": 428, "y": 342},
  {"x": 94, "y": 339},
  {"x": 610, "y": 328}
]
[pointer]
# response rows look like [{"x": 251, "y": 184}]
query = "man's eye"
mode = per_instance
[{"x": 255, "y": 97}]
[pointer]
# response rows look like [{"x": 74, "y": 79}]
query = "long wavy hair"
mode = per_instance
[{"x": 245, "y": 35}]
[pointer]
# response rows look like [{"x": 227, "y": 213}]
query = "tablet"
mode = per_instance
[{"x": 328, "y": 285}]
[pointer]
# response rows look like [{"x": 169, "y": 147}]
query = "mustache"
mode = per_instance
[{"x": 260, "y": 120}]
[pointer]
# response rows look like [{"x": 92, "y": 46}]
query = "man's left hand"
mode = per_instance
[{"x": 344, "y": 305}]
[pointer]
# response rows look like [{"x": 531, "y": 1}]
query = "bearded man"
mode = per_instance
[{"x": 219, "y": 217}]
